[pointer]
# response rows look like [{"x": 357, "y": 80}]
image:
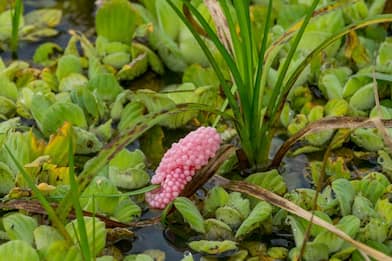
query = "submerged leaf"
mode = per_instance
[{"x": 213, "y": 247}]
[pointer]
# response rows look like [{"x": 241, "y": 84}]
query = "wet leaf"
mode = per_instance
[
  {"x": 363, "y": 208},
  {"x": 190, "y": 213},
  {"x": 213, "y": 247},
  {"x": 96, "y": 233},
  {"x": 345, "y": 194},
  {"x": 259, "y": 213},
  {"x": 19, "y": 251},
  {"x": 19, "y": 226},
  {"x": 348, "y": 224}
]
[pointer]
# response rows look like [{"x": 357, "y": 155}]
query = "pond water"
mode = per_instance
[{"x": 79, "y": 15}]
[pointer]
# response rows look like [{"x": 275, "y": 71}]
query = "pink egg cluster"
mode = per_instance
[{"x": 180, "y": 163}]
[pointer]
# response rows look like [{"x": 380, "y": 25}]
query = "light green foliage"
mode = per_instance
[
  {"x": 19, "y": 226},
  {"x": 258, "y": 214},
  {"x": 127, "y": 170},
  {"x": 19, "y": 251},
  {"x": 96, "y": 233},
  {"x": 116, "y": 20},
  {"x": 190, "y": 213},
  {"x": 213, "y": 247},
  {"x": 216, "y": 197}
]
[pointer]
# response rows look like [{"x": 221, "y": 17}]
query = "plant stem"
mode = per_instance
[{"x": 16, "y": 14}]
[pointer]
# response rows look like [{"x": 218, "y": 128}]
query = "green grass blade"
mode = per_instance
[
  {"x": 45, "y": 204},
  {"x": 283, "y": 71},
  {"x": 211, "y": 59},
  {"x": 242, "y": 11},
  {"x": 83, "y": 243},
  {"x": 16, "y": 14},
  {"x": 259, "y": 88}
]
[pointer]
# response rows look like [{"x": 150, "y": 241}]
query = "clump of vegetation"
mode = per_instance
[{"x": 84, "y": 124}]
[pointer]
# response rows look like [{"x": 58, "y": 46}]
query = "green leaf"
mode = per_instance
[
  {"x": 19, "y": 226},
  {"x": 126, "y": 210},
  {"x": 116, "y": 20},
  {"x": 105, "y": 86},
  {"x": 62, "y": 251},
  {"x": 98, "y": 195},
  {"x": 213, "y": 247},
  {"x": 58, "y": 113},
  {"x": 7, "y": 178},
  {"x": 348, "y": 224},
  {"x": 363, "y": 99},
  {"x": 260, "y": 212},
  {"x": 45, "y": 17},
  {"x": 216, "y": 197},
  {"x": 237, "y": 202},
  {"x": 190, "y": 213},
  {"x": 96, "y": 233},
  {"x": 217, "y": 230},
  {"x": 270, "y": 180},
  {"x": 298, "y": 227},
  {"x": 68, "y": 64},
  {"x": 18, "y": 250},
  {"x": 44, "y": 236},
  {"x": 230, "y": 216},
  {"x": 345, "y": 194}
]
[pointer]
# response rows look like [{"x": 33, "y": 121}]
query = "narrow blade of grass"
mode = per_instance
[
  {"x": 45, "y": 204},
  {"x": 83, "y": 242}
]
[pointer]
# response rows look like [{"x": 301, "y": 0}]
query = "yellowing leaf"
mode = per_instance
[{"x": 57, "y": 147}]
